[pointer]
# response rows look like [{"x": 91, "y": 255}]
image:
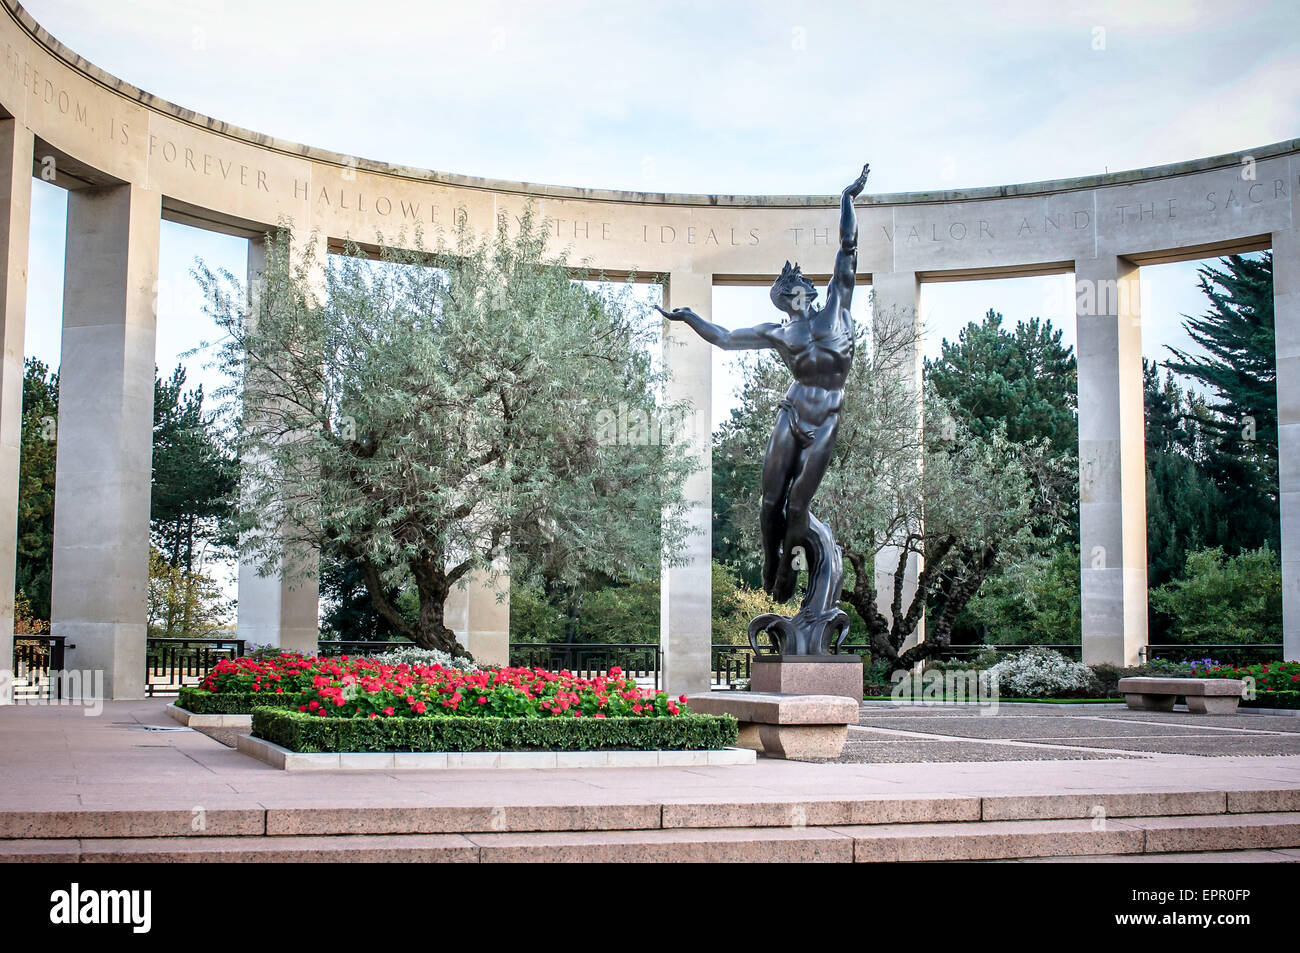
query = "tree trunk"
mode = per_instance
[{"x": 432, "y": 587}]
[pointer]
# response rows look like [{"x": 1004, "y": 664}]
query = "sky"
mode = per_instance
[{"x": 730, "y": 97}]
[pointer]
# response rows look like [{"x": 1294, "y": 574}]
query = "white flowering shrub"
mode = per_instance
[
  {"x": 1041, "y": 673},
  {"x": 414, "y": 655}
]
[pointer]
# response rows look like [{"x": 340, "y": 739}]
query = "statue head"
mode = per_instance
[{"x": 792, "y": 292}]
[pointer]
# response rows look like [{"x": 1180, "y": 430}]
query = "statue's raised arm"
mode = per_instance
[{"x": 839, "y": 293}]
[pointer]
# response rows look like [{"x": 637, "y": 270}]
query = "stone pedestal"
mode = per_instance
[{"x": 807, "y": 675}]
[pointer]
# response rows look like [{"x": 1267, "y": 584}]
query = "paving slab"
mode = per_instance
[{"x": 894, "y": 751}]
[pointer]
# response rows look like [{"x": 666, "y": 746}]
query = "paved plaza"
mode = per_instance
[
  {"x": 134, "y": 756},
  {"x": 891, "y": 733},
  {"x": 1030, "y": 783}
]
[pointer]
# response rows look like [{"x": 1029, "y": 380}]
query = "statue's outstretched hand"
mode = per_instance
[
  {"x": 859, "y": 183},
  {"x": 677, "y": 314}
]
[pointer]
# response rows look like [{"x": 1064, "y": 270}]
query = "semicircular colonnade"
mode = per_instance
[{"x": 130, "y": 160}]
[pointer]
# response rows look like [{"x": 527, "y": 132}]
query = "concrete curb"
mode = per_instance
[
  {"x": 191, "y": 720},
  {"x": 279, "y": 757}
]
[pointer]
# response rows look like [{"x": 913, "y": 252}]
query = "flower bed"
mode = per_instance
[
  {"x": 285, "y": 674},
  {"x": 235, "y": 686},
  {"x": 365, "y": 687},
  {"x": 365, "y": 705},
  {"x": 1277, "y": 684},
  {"x": 300, "y": 731}
]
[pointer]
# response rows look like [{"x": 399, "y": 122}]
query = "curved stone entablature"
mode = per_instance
[
  {"x": 130, "y": 159},
  {"x": 100, "y": 129}
]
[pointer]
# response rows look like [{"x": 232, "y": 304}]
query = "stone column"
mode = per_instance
[
  {"x": 15, "y": 216},
  {"x": 488, "y": 616},
  {"x": 896, "y": 300},
  {"x": 455, "y": 613},
  {"x": 1112, "y": 463},
  {"x": 686, "y": 591},
  {"x": 105, "y": 434},
  {"x": 1286, "y": 316},
  {"x": 280, "y": 609}
]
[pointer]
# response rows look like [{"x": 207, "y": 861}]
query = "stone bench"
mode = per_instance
[
  {"x": 793, "y": 727},
  {"x": 1212, "y": 696}
]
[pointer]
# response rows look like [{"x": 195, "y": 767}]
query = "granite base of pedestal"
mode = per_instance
[{"x": 807, "y": 675}]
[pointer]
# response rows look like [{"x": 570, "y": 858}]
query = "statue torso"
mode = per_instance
[{"x": 819, "y": 352}]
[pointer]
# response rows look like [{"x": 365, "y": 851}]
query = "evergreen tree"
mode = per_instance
[
  {"x": 1186, "y": 509},
  {"x": 349, "y": 613},
  {"x": 1239, "y": 370},
  {"x": 1024, "y": 381},
  {"x": 194, "y": 476},
  {"x": 35, "y": 544}
]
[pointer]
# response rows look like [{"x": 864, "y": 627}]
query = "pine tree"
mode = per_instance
[
  {"x": 1024, "y": 380},
  {"x": 1240, "y": 372},
  {"x": 1186, "y": 509},
  {"x": 194, "y": 475},
  {"x": 35, "y": 549}
]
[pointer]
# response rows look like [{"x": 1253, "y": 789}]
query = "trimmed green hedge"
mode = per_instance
[
  {"x": 299, "y": 731},
  {"x": 1273, "y": 700},
  {"x": 198, "y": 702}
]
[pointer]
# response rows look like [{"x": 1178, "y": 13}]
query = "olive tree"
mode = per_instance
[{"x": 430, "y": 412}]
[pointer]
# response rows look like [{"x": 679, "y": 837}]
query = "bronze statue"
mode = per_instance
[{"x": 817, "y": 345}]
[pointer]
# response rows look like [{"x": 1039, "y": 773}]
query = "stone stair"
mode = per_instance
[{"x": 1256, "y": 825}]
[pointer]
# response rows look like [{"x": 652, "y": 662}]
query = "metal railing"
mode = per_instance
[
  {"x": 334, "y": 648},
  {"x": 38, "y": 662},
  {"x": 172, "y": 664},
  {"x": 641, "y": 661},
  {"x": 1069, "y": 649},
  {"x": 729, "y": 665}
]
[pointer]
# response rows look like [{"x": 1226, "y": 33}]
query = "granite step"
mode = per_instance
[
  {"x": 1283, "y": 856},
  {"x": 1211, "y": 836},
  {"x": 411, "y": 818},
  {"x": 997, "y": 840}
]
